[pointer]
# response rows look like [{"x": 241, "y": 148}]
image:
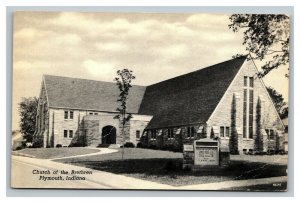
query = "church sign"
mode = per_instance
[{"x": 206, "y": 153}]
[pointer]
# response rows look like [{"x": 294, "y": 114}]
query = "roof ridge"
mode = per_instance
[
  {"x": 46, "y": 75},
  {"x": 244, "y": 56}
]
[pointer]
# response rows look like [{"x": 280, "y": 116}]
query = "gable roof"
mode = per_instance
[
  {"x": 74, "y": 93},
  {"x": 190, "y": 98}
]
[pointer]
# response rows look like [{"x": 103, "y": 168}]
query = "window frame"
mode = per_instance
[
  {"x": 153, "y": 134},
  {"x": 66, "y": 115},
  {"x": 71, "y": 133},
  {"x": 271, "y": 136},
  {"x": 71, "y": 114},
  {"x": 222, "y": 131},
  {"x": 227, "y": 130},
  {"x": 170, "y": 132},
  {"x": 190, "y": 132},
  {"x": 248, "y": 108},
  {"x": 65, "y": 133},
  {"x": 137, "y": 134}
]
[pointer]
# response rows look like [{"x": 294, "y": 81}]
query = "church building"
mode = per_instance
[{"x": 218, "y": 102}]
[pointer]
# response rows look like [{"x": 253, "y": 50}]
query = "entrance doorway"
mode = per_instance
[{"x": 109, "y": 135}]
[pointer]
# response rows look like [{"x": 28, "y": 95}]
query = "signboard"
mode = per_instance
[
  {"x": 206, "y": 153},
  {"x": 188, "y": 148}
]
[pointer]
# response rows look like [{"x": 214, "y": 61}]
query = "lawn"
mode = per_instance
[
  {"x": 165, "y": 167},
  {"x": 51, "y": 153}
]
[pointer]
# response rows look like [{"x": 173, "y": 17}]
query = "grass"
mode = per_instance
[
  {"x": 51, "y": 153},
  {"x": 165, "y": 167}
]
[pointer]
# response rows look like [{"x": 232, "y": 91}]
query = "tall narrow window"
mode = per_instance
[
  {"x": 245, "y": 81},
  {"x": 137, "y": 134},
  {"x": 71, "y": 114},
  {"x": 170, "y": 133},
  {"x": 251, "y": 114},
  {"x": 248, "y": 107},
  {"x": 153, "y": 134},
  {"x": 227, "y": 132},
  {"x": 245, "y": 114},
  {"x": 70, "y": 133},
  {"x": 222, "y": 131},
  {"x": 272, "y": 134},
  {"x": 65, "y": 133},
  {"x": 251, "y": 81},
  {"x": 190, "y": 132},
  {"x": 66, "y": 114}
]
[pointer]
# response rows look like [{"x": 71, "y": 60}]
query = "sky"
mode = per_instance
[{"x": 95, "y": 45}]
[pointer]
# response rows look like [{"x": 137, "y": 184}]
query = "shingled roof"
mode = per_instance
[
  {"x": 74, "y": 93},
  {"x": 183, "y": 100},
  {"x": 190, "y": 98}
]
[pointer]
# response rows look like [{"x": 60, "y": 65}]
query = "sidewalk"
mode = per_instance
[{"x": 101, "y": 151}]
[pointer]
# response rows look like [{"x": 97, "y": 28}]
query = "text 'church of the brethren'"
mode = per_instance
[{"x": 211, "y": 102}]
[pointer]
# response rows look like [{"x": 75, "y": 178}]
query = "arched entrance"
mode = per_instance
[{"x": 109, "y": 135}]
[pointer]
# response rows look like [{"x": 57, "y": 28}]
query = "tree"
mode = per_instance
[
  {"x": 265, "y": 36},
  {"x": 233, "y": 140},
  {"x": 27, "y": 111},
  {"x": 259, "y": 141},
  {"x": 123, "y": 81},
  {"x": 279, "y": 102}
]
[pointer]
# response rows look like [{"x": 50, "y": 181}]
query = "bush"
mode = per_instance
[
  {"x": 77, "y": 144},
  {"x": 58, "y": 146},
  {"x": 37, "y": 144},
  {"x": 129, "y": 145},
  {"x": 260, "y": 153},
  {"x": 139, "y": 145},
  {"x": 152, "y": 146},
  {"x": 20, "y": 147}
]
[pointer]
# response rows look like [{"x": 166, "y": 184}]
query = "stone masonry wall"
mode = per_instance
[
  {"x": 41, "y": 134},
  {"x": 92, "y": 132},
  {"x": 222, "y": 114}
]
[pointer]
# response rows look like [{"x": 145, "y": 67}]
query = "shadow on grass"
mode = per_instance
[{"x": 237, "y": 170}]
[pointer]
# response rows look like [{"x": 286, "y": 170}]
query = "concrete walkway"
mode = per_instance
[{"x": 101, "y": 151}]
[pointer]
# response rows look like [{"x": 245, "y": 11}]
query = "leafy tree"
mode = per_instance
[
  {"x": 233, "y": 140},
  {"x": 284, "y": 113},
  {"x": 27, "y": 111},
  {"x": 123, "y": 81},
  {"x": 279, "y": 102},
  {"x": 265, "y": 36}
]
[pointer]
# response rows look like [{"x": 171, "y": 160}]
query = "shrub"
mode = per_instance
[
  {"x": 77, "y": 144},
  {"x": 129, "y": 145},
  {"x": 139, "y": 145},
  {"x": 58, "y": 146},
  {"x": 20, "y": 147},
  {"x": 152, "y": 146},
  {"x": 37, "y": 144},
  {"x": 260, "y": 153}
]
